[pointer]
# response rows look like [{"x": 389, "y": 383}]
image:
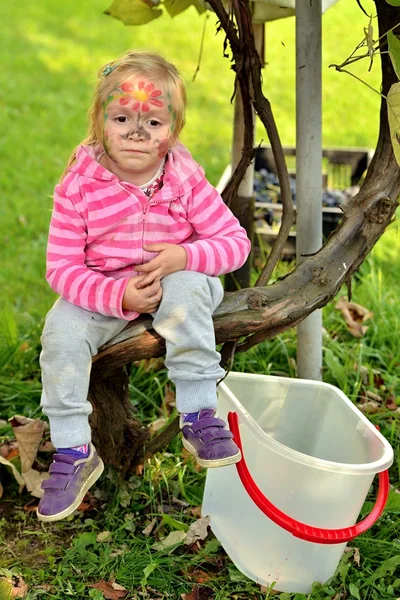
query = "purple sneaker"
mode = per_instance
[
  {"x": 70, "y": 478},
  {"x": 207, "y": 438}
]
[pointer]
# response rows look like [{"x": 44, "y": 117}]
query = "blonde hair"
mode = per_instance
[{"x": 136, "y": 63}]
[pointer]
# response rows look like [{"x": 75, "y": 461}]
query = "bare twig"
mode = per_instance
[{"x": 207, "y": 16}]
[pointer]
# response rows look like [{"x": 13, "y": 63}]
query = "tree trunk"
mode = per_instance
[
  {"x": 116, "y": 433},
  {"x": 255, "y": 313}
]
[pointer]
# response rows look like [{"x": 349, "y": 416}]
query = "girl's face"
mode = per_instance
[{"x": 138, "y": 119}]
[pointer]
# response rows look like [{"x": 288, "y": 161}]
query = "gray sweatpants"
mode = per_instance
[{"x": 72, "y": 335}]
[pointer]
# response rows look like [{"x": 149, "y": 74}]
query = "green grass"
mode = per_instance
[{"x": 51, "y": 54}]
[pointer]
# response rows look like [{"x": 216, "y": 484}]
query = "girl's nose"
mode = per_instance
[{"x": 137, "y": 134}]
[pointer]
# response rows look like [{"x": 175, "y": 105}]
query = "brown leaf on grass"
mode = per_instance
[
  {"x": 199, "y": 593},
  {"x": 15, "y": 472},
  {"x": 200, "y": 576},
  {"x": 354, "y": 315},
  {"x": 28, "y": 433},
  {"x": 157, "y": 424},
  {"x": 109, "y": 590},
  {"x": 139, "y": 469},
  {"x": 187, "y": 457},
  {"x": 373, "y": 396},
  {"x": 370, "y": 408},
  {"x": 150, "y": 527},
  {"x": 46, "y": 446},
  {"x": 196, "y": 511},
  {"x": 13, "y": 585},
  {"x": 355, "y": 552},
  {"x": 168, "y": 402},
  {"x": 33, "y": 481},
  {"x": 9, "y": 450},
  {"x": 391, "y": 402},
  {"x": 197, "y": 531}
]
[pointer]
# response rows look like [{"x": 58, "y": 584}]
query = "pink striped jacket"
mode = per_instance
[{"x": 99, "y": 225}]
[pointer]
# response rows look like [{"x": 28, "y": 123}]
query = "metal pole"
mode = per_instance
[{"x": 309, "y": 169}]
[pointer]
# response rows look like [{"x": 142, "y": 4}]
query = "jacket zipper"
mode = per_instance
[{"x": 144, "y": 215}]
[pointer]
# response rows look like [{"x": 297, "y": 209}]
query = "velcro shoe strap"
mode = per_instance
[
  {"x": 62, "y": 468},
  {"x": 217, "y": 434},
  {"x": 204, "y": 423},
  {"x": 54, "y": 483}
]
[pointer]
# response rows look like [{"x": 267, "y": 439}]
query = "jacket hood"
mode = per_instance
[{"x": 182, "y": 172}]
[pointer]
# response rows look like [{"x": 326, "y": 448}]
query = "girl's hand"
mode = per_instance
[
  {"x": 170, "y": 258},
  {"x": 143, "y": 299}
]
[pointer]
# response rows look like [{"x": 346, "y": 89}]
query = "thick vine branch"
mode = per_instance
[{"x": 247, "y": 66}]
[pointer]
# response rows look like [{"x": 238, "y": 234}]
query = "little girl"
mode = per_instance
[{"x": 136, "y": 228}]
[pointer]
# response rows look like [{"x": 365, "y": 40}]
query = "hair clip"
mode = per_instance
[{"x": 107, "y": 70}]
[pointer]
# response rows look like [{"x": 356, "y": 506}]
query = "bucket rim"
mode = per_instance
[{"x": 377, "y": 466}]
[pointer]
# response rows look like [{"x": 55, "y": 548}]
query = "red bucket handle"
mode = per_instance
[{"x": 296, "y": 528}]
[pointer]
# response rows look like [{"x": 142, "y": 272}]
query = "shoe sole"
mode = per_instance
[
  {"x": 68, "y": 511},
  {"x": 212, "y": 464}
]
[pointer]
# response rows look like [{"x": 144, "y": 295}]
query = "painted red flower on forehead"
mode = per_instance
[{"x": 145, "y": 95}]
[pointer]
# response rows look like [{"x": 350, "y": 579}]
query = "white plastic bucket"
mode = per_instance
[{"x": 313, "y": 455}]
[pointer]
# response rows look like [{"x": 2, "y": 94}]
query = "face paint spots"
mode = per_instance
[
  {"x": 163, "y": 148},
  {"x": 145, "y": 95}
]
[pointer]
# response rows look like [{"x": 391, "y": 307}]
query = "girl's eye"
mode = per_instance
[
  {"x": 121, "y": 119},
  {"x": 153, "y": 123}
]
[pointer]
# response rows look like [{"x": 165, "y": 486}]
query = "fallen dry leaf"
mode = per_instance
[
  {"x": 104, "y": 536},
  {"x": 13, "y": 585},
  {"x": 28, "y": 433},
  {"x": 354, "y": 315},
  {"x": 370, "y": 408},
  {"x": 197, "y": 531},
  {"x": 372, "y": 396},
  {"x": 196, "y": 511},
  {"x": 150, "y": 527},
  {"x": 15, "y": 472},
  {"x": 109, "y": 592},
  {"x": 173, "y": 539},
  {"x": 168, "y": 402},
  {"x": 355, "y": 552},
  {"x": 9, "y": 449},
  {"x": 139, "y": 469},
  {"x": 198, "y": 593},
  {"x": 46, "y": 446},
  {"x": 200, "y": 576},
  {"x": 187, "y": 457},
  {"x": 33, "y": 480},
  {"x": 157, "y": 424},
  {"x": 391, "y": 403}
]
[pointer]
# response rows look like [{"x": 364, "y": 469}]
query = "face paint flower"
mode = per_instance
[{"x": 145, "y": 95}]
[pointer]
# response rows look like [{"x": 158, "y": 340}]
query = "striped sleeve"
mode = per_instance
[
  {"x": 221, "y": 245},
  {"x": 66, "y": 271}
]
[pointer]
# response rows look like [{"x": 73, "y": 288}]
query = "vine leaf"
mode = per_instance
[
  {"x": 393, "y": 103},
  {"x": 134, "y": 12},
  {"x": 394, "y": 52},
  {"x": 174, "y": 7},
  {"x": 393, "y": 2}
]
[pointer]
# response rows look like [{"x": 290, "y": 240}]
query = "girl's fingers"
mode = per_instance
[
  {"x": 147, "y": 267},
  {"x": 152, "y": 277}
]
